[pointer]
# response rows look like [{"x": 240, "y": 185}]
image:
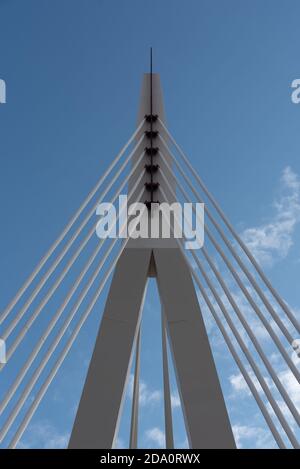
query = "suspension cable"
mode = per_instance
[
  {"x": 42, "y": 262},
  {"x": 260, "y": 351},
  {"x": 51, "y": 350},
  {"x": 235, "y": 355},
  {"x": 252, "y": 280},
  {"x": 63, "y": 273},
  {"x": 23, "y": 425},
  {"x": 61, "y": 309},
  {"x": 64, "y": 328},
  {"x": 270, "y": 330},
  {"x": 235, "y": 235},
  {"x": 244, "y": 348},
  {"x": 133, "y": 440},
  {"x": 250, "y": 359},
  {"x": 66, "y": 248}
]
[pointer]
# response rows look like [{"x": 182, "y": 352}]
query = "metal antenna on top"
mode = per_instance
[
  {"x": 151, "y": 134},
  {"x": 151, "y": 126}
]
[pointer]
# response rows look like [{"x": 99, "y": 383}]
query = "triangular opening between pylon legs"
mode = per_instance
[{"x": 152, "y": 428}]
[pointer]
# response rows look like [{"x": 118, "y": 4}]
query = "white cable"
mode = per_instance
[
  {"x": 235, "y": 235},
  {"x": 28, "y": 324},
  {"x": 243, "y": 346},
  {"x": 260, "y": 378},
  {"x": 235, "y": 255},
  {"x": 42, "y": 262},
  {"x": 66, "y": 248},
  {"x": 60, "y": 360},
  {"x": 61, "y": 309},
  {"x": 240, "y": 365},
  {"x": 133, "y": 440},
  {"x": 260, "y": 351},
  {"x": 41, "y": 367},
  {"x": 58, "y": 363},
  {"x": 169, "y": 436},
  {"x": 267, "y": 325}
]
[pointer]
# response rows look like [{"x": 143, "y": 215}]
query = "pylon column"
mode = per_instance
[{"x": 206, "y": 419}]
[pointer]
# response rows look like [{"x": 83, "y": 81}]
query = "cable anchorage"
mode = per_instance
[
  {"x": 151, "y": 151},
  {"x": 151, "y": 117},
  {"x": 151, "y": 168}
]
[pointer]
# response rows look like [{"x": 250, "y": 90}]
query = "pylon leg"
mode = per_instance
[
  {"x": 167, "y": 392},
  {"x": 204, "y": 410},
  {"x": 97, "y": 419},
  {"x": 206, "y": 419}
]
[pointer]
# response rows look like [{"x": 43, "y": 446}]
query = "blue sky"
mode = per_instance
[{"x": 73, "y": 71}]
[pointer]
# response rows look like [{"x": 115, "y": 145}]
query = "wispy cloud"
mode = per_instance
[
  {"x": 240, "y": 387},
  {"x": 252, "y": 436},
  {"x": 120, "y": 443},
  {"x": 272, "y": 240},
  {"x": 44, "y": 435},
  {"x": 241, "y": 391},
  {"x": 147, "y": 396},
  {"x": 175, "y": 400},
  {"x": 292, "y": 386},
  {"x": 239, "y": 384},
  {"x": 239, "y": 398},
  {"x": 155, "y": 435}
]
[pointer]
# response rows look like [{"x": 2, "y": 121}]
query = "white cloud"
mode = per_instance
[
  {"x": 292, "y": 386},
  {"x": 272, "y": 240},
  {"x": 252, "y": 437},
  {"x": 241, "y": 390},
  {"x": 240, "y": 387},
  {"x": 119, "y": 444},
  {"x": 175, "y": 400},
  {"x": 156, "y": 435},
  {"x": 269, "y": 242},
  {"x": 44, "y": 435},
  {"x": 239, "y": 384},
  {"x": 147, "y": 396}
]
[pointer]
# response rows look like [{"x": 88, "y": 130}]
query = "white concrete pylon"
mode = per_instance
[{"x": 100, "y": 408}]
